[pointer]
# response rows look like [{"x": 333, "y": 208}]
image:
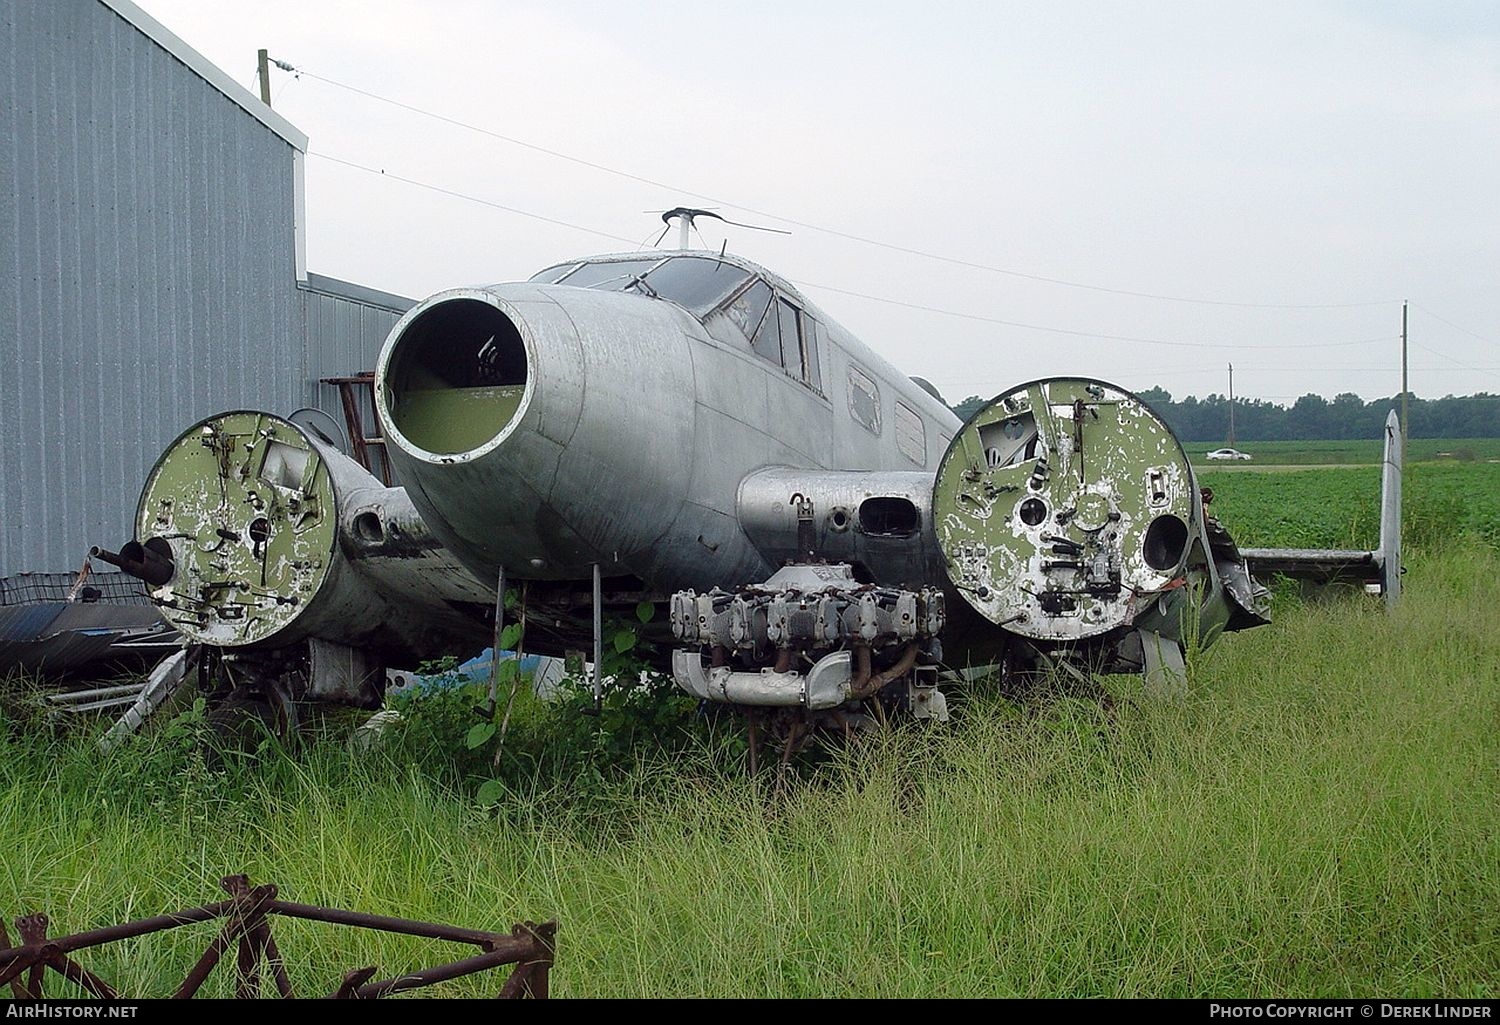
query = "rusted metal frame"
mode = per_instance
[
  {"x": 255, "y": 940},
  {"x": 352, "y": 981},
  {"x": 409, "y": 927},
  {"x": 6, "y": 963},
  {"x": 11, "y": 974},
  {"x": 273, "y": 958},
  {"x": 33, "y": 929},
  {"x": 518, "y": 985},
  {"x": 524, "y": 946},
  {"x": 531, "y": 978},
  {"x": 82, "y": 977},
  {"x": 248, "y": 908},
  {"x": 530, "y": 946},
  {"x": 130, "y": 930},
  {"x": 247, "y": 967}
]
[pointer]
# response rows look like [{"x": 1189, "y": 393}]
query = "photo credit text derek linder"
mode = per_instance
[{"x": 1389, "y": 1009}]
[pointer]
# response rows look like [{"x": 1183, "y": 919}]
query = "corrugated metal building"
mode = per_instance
[{"x": 151, "y": 269}]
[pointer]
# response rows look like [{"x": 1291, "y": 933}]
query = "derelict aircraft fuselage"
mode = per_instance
[
  {"x": 685, "y": 428},
  {"x": 609, "y": 411}
]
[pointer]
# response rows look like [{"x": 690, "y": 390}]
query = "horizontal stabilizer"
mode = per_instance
[
  {"x": 1321, "y": 565},
  {"x": 1330, "y": 565}
]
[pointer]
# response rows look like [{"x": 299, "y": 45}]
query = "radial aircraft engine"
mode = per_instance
[
  {"x": 685, "y": 429},
  {"x": 1067, "y": 535}
]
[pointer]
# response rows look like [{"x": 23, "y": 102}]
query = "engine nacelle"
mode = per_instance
[
  {"x": 255, "y": 533},
  {"x": 1066, "y": 510}
]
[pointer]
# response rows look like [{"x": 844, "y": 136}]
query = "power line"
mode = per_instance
[
  {"x": 845, "y": 291},
  {"x": 1457, "y": 363},
  {"x": 1182, "y": 371},
  {"x": 849, "y": 236},
  {"x": 1088, "y": 334},
  {"x": 1454, "y": 326},
  {"x": 472, "y": 199}
]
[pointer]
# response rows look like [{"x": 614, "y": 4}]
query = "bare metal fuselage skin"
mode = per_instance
[{"x": 626, "y": 427}]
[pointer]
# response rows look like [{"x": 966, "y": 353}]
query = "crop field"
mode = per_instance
[
  {"x": 1317, "y": 817},
  {"x": 1361, "y": 451},
  {"x": 1443, "y": 502}
]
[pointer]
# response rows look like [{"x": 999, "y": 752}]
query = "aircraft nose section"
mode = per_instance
[
  {"x": 456, "y": 375},
  {"x": 524, "y": 418}
]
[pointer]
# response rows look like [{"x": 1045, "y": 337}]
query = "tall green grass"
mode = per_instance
[{"x": 1317, "y": 817}]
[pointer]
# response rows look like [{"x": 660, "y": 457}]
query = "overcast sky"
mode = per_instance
[{"x": 1342, "y": 156}]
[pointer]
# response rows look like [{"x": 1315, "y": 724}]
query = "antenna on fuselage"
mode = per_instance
[{"x": 686, "y": 215}]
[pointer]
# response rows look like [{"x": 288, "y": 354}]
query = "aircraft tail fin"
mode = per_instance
[
  {"x": 1381, "y": 567},
  {"x": 1390, "y": 511}
]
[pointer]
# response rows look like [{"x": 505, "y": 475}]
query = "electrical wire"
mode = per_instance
[
  {"x": 1089, "y": 334},
  {"x": 1457, "y": 363},
  {"x": 843, "y": 291},
  {"x": 472, "y": 199},
  {"x": 1454, "y": 326},
  {"x": 849, "y": 236}
]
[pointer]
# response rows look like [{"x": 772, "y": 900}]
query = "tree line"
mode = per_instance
[{"x": 1312, "y": 417}]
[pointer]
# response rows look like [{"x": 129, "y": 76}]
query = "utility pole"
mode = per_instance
[
  {"x": 263, "y": 68},
  {"x": 1403, "y": 377},
  {"x": 1231, "y": 405}
]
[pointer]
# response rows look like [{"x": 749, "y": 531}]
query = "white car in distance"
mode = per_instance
[{"x": 1229, "y": 453}]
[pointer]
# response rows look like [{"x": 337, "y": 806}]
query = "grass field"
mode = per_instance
[
  {"x": 1318, "y": 817},
  {"x": 1299, "y": 453},
  {"x": 1443, "y": 503}
]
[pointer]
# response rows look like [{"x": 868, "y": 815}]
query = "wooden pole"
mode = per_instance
[
  {"x": 1404, "y": 386},
  {"x": 263, "y": 68},
  {"x": 1231, "y": 405}
]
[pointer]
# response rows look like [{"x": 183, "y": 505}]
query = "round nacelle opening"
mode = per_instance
[
  {"x": 1165, "y": 544},
  {"x": 455, "y": 376},
  {"x": 368, "y": 528},
  {"x": 889, "y": 516}
]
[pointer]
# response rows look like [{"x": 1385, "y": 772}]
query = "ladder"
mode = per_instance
[{"x": 360, "y": 443}]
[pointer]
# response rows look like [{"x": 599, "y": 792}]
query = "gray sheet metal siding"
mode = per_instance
[
  {"x": 147, "y": 272},
  {"x": 346, "y": 325}
]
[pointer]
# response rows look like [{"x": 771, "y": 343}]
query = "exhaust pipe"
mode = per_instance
[{"x": 151, "y": 562}]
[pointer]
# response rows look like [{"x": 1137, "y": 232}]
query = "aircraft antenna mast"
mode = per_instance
[{"x": 685, "y": 216}]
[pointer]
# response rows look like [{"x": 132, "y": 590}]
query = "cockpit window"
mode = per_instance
[
  {"x": 696, "y": 283},
  {"x": 749, "y": 307},
  {"x": 552, "y": 275},
  {"x": 612, "y": 276}
]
